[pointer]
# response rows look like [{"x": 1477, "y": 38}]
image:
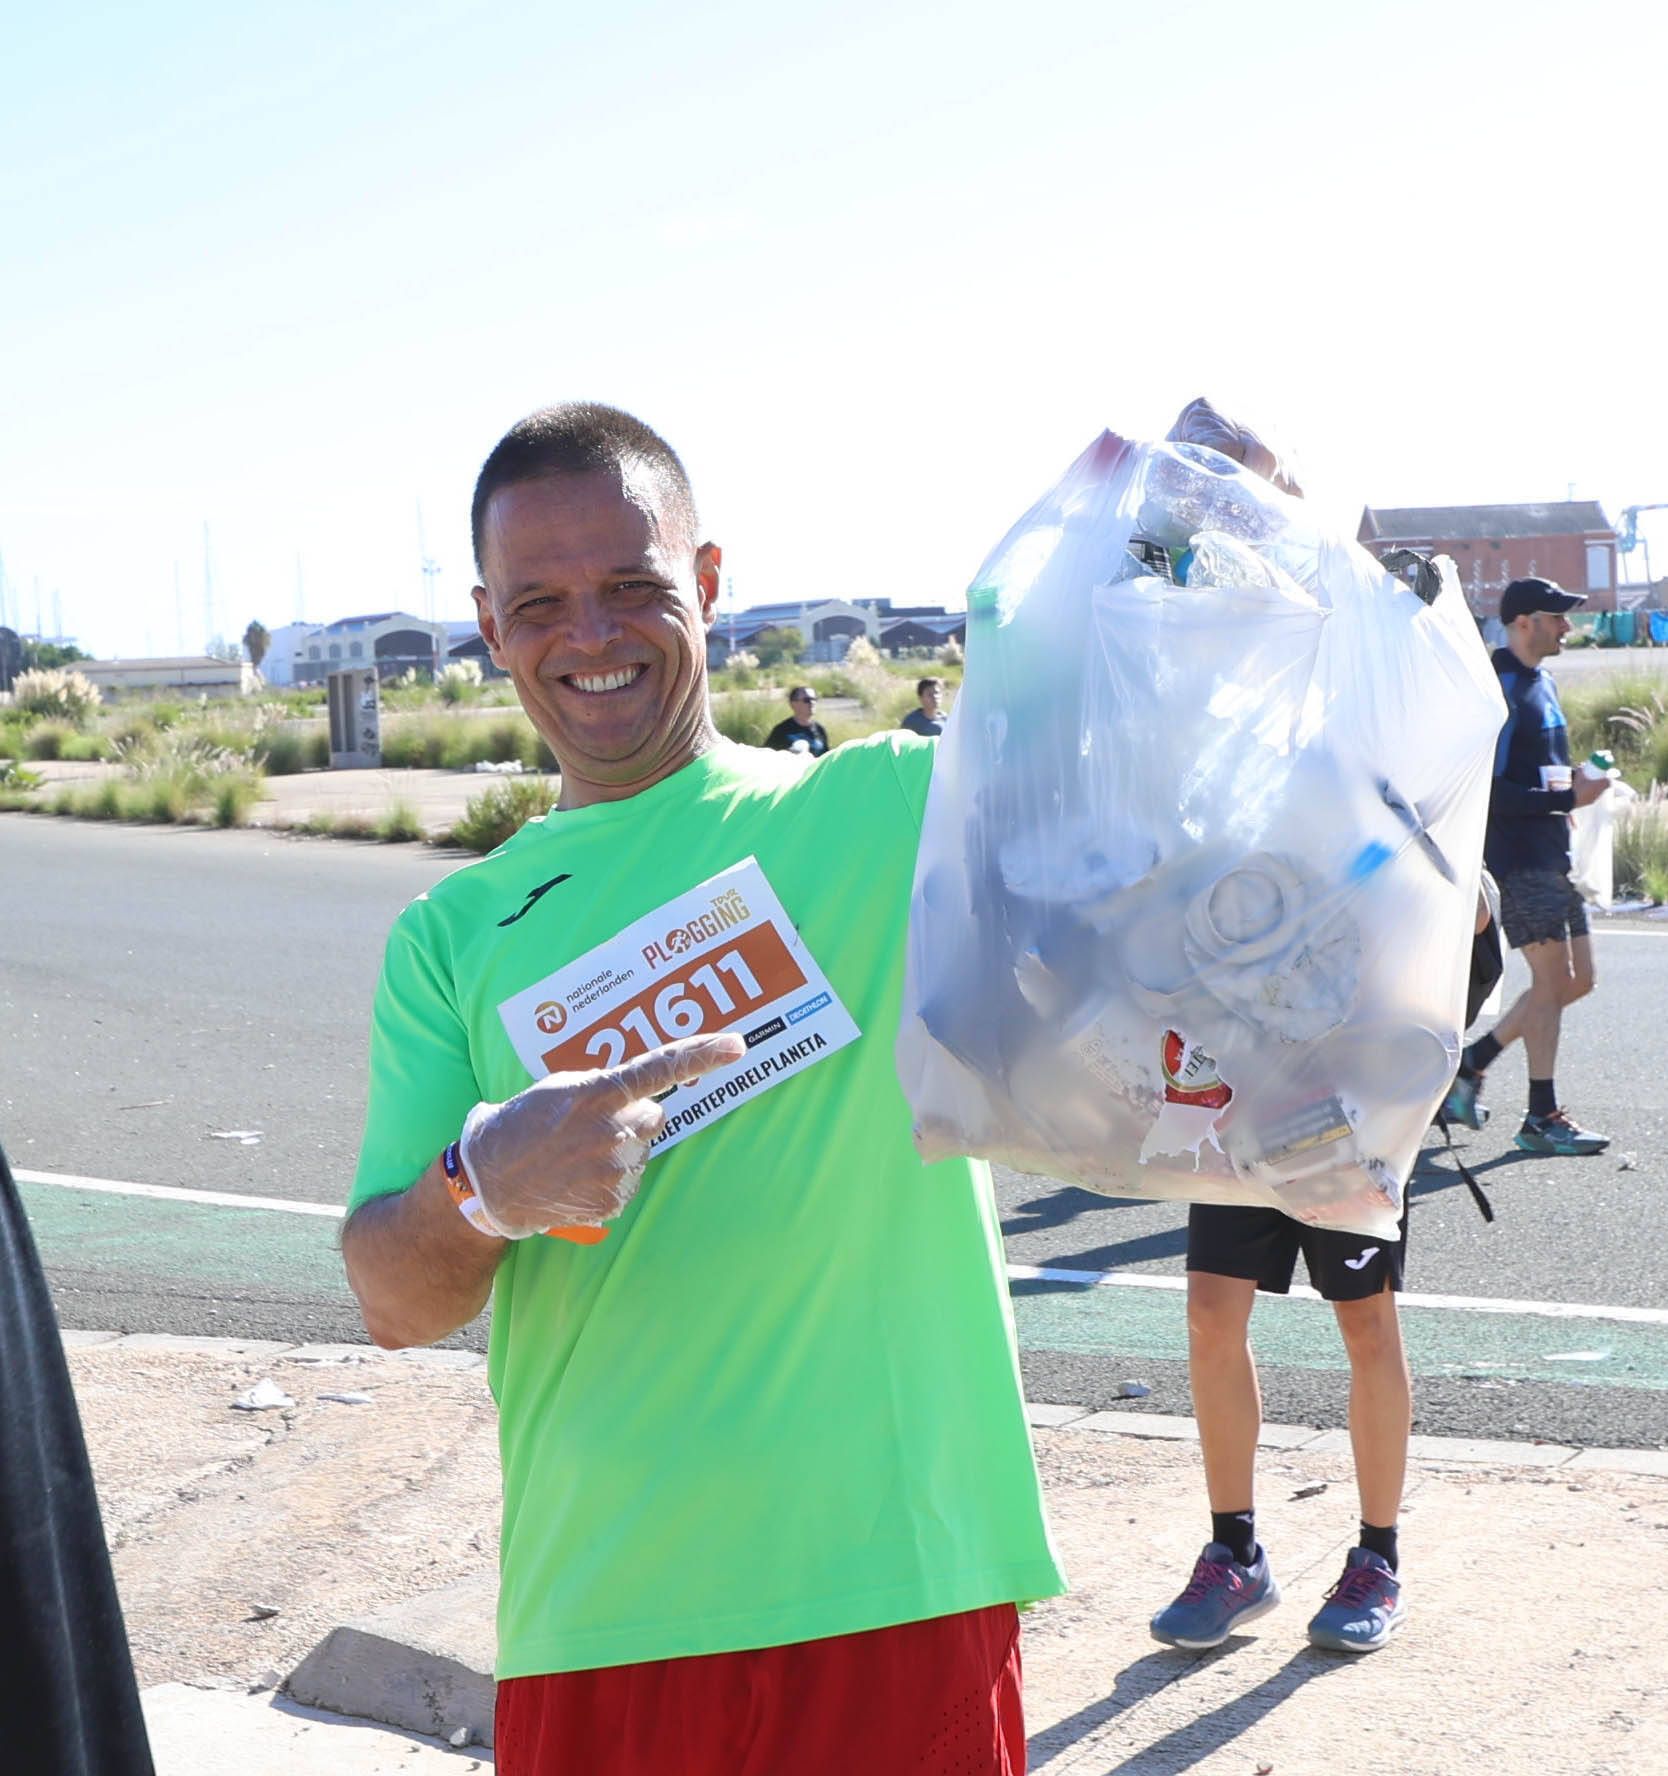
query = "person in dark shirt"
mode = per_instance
[
  {"x": 1528, "y": 852},
  {"x": 800, "y": 733},
  {"x": 927, "y": 720}
]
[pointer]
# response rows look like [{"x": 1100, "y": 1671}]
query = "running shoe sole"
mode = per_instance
[
  {"x": 1329, "y": 1643},
  {"x": 1533, "y": 1144},
  {"x": 1250, "y": 1614}
]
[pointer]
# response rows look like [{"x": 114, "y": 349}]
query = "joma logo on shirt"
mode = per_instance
[{"x": 728, "y": 909}]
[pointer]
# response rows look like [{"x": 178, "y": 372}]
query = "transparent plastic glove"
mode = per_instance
[
  {"x": 570, "y": 1150},
  {"x": 1200, "y": 423}
]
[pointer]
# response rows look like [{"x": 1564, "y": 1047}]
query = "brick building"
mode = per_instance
[{"x": 1570, "y": 541}]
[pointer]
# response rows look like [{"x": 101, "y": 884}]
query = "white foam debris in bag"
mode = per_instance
[{"x": 1195, "y": 896}]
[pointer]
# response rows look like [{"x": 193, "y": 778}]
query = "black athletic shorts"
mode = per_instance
[
  {"x": 1261, "y": 1246},
  {"x": 1541, "y": 906}
]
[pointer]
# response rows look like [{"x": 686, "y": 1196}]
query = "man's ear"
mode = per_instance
[
  {"x": 488, "y": 626},
  {"x": 709, "y": 558}
]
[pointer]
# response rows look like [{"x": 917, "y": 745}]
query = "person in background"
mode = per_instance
[
  {"x": 927, "y": 721},
  {"x": 1232, "y": 1254},
  {"x": 1528, "y": 853},
  {"x": 801, "y": 731}
]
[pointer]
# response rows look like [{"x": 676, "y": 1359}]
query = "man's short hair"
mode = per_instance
[
  {"x": 799, "y": 691},
  {"x": 579, "y": 438},
  {"x": 928, "y": 684}
]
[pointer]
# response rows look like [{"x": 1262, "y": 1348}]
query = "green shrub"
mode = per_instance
[
  {"x": 59, "y": 694},
  {"x": 748, "y": 716},
  {"x": 1625, "y": 715},
  {"x": 46, "y": 739},
  {"x": 318, "y": 751},
  {"x": 12, "y": 730},
  {"x": 400, "y": 824},
  {"x": 165, "y": 798},
  {"x": 17, "y": 777},
  {"x": 85, "y": 748},
  {"x": 1641, "y": 861},
  {"x": 234, "y": 796},
  {"x": 501, "y": 811},
  {"x": 103, "y": 802},
  {"x": 459, "y": 681},
  {"x": 320, "y": 824},
  {"x": 281, "y": 752}
]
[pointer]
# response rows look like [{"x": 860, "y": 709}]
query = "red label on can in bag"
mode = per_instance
[{"x": 1190, "y": 1075}]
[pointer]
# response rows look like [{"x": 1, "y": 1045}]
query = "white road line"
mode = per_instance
[
  {"x": 1555, "y": 1310},
  {"x": 1629, "y": 931},
  {"x": 218, "y": 1199},
  {"x": 1048, "y": 1273}
]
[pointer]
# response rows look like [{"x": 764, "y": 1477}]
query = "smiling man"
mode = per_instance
[{"x": 769, "y": 1495}]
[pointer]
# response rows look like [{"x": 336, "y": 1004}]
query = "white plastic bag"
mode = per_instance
[
  {"x": 1194, "y": 901},
  {"x": 1593, "y": 840}
]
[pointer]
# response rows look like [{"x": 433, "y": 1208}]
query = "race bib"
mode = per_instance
[{"x": 724, "y": 956}]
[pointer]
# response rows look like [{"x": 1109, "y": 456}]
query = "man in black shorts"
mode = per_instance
[
  {"x": 1528, "y": 851},
  {"x": 1231, "y": 1254}
]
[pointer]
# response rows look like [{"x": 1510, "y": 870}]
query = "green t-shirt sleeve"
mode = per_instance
[{"x": 422, "y": 1081}]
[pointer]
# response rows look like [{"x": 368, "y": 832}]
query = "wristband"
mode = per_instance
[
  {"x": 474, "y": 1211},
  {"x": 462, "y": 1192}
]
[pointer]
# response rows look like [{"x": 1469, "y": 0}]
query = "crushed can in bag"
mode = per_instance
[{"x": 1194, "y": 901}]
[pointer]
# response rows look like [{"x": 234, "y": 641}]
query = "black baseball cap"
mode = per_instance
[{"x": 1522, "y": 598}]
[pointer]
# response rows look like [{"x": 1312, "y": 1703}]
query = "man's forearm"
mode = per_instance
[{"x": 419, "y": 1269}]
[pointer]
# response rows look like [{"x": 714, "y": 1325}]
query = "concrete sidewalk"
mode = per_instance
[{"x": 345, "y": 1546}]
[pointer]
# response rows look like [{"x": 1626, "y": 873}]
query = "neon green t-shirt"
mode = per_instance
[{"x": 781, "y": 1400}]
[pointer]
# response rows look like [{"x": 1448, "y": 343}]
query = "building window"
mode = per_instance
[
  {"x": 335, "y": 650},
  {"x": 312, "y": 653},
  {"x": 1598, "y": 567},
  {"x": 356, "y": 650}
]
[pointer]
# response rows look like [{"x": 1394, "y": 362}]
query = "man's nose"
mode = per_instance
[{"x": 592, "y": 624}]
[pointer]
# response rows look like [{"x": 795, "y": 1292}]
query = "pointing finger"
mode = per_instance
[{"x": 678, "y": 1063}]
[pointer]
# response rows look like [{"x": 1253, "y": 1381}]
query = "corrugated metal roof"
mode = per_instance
[{"x": 1442, "y": 523}]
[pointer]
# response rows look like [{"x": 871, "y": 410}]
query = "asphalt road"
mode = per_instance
[{"x": 187, "y": 1008}]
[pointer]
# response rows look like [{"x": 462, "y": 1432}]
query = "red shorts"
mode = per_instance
[{"x": 935, "y": 1698}]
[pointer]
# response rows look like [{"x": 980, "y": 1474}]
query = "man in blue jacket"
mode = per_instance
[{"x": 1528, "y": 852}]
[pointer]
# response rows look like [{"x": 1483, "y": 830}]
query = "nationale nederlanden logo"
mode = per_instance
[{"x": 551, "y": 1017}]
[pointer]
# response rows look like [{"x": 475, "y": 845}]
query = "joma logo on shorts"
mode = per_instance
[{"x": 728, "y": 909}]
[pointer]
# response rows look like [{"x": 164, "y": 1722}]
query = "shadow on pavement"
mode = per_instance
[{"x": 1187, "y": 1746}]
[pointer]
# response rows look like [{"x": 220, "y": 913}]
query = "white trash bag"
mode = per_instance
[
  {"x": 1195, "y": 895},
  {"x": 1593, "y": 836}
]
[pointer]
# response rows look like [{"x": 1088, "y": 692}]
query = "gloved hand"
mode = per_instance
[
  {"x": 570, "y": 1150},
  {"x": 1200, "y": 423}
]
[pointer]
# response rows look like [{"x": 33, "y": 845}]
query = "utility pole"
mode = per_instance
[
  {"x": 427, "y": 566},
  {"x": 179, "y": 613},
  {"x": 208, "y": 591},
  {"x": 300, "y": 593},
  {"x": 57, "y": 615}
]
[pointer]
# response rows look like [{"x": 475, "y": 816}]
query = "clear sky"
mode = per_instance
[{"x": 878, "y": 271}]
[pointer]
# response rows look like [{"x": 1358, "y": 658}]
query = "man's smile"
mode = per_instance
[{"x": 596, "y": 684}]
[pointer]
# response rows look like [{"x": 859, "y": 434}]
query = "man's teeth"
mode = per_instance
[{"x": 605, "y": 681}]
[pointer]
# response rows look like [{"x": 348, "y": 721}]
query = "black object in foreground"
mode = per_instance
[{"x": 68, "y": 1699}]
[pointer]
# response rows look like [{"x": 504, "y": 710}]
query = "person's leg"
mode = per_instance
[
  {"x": 1380, "y": 1404},
  {"x": 1231, "y": 1582},
  {"x": 1534, "y": 1015},
  {"x": 1360, "y": 1278},
  {"x": 1226, "y": 1398}
]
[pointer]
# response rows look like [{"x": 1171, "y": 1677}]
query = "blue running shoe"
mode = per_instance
[
  {"x": 1463, "y": 1103},
  {"x": 1362, "y": 1610},
  {"x": 1220, "y": 1597},
  {"x": 1558, "y": 1134}
]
